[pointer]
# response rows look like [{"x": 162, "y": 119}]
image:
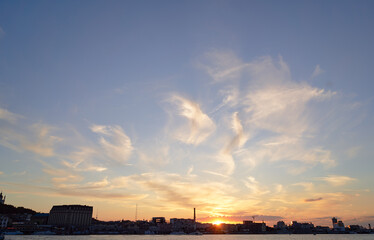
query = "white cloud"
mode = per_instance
[
  {"x": 36, "y": 138},
  {"x": 225, "y": 156},
  {"x": 230, "y": 98},
  {"x": 270, "y": 101},
  {"x": 284, "y": 148},
  {"x": 190, "y": 170},
  {"x": 44, "y": 141},
  {"x": 308, "y": 186},
  {"x": 228, "y": 162},
  {"x": 60, "y": 177},
  {"x": 82, "y": 160},
  {"x": 246, "y": 157},
  {"x": 317, "y": 71},
  {"x": 240, "y": 137},
  {"x": 174, "y": 190},
  {"x": 336, "y": 180},
  {"x": 200, "y": 126},
  {"x": 118, "y": 147},
  {"x": 99, "y": 184},
  {"x": 255, "y": 187},
  {"x": 6, "y": 115},
  {"x": 282, "y": 109}
]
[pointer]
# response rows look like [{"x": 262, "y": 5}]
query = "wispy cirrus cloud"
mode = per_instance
[
  {"x": 240, "y": 137},
  {"x": 282, "y": 108},
  {"x": 222, "y": 65},
  {"x": 255, "y": 187},
  {"x": 71, "y": 183},
  {"x": 36, "y": 138},
  {"x": 270, "y": 101},
  {"x": 6, "y": 115},
  {"x": 60, "y": 177},
  {"x": 337, "y": 180},
  {"x": 308, "y": 186},
  {"x": 83, "y": 160},
  {"x": 200, "y": 125},
  {"x": 116, "y": 144},
  {"x": 44, "y": 142},
  {"x": 185, "y": 191},
  {"x": 238, "y": 140},
  {"x": 230, "y": 98}
]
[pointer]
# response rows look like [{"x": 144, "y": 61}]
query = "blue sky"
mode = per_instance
[{"x": 238, "y": 108}]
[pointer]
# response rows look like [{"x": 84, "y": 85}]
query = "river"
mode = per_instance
[{"x": 202, "y": 237}]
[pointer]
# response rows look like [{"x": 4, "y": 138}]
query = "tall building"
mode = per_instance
[
  {"x": 2, "y": 198},
  {"x": 70, "y": 215}
]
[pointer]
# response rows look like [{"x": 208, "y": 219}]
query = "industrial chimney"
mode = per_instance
[{"x": 194, "y": 214}]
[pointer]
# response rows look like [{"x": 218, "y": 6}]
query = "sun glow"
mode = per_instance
[{"x": 217, "y": 222}]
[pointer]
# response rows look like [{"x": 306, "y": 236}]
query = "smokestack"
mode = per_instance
[{"x": 194, "y": 214}]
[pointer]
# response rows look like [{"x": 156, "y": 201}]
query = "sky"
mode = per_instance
[{"x": 235, "y": 108}]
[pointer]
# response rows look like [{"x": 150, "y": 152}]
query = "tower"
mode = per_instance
[
  {"x": 194, "y": 219},
  {"x": 194, "y": 214},
  {"x": 2, "y": 198}
]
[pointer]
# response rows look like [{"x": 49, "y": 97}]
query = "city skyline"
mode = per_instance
[{"x": 237, "y": 108}]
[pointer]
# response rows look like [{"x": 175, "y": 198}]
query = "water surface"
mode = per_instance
[{"x": 203, "y": 237}]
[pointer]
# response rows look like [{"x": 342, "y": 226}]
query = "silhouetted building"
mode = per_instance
[
  {"x": 337, "y": 225},
  {"x": 182, "y": 225},
  {"x": 301, "y": 228},
  {"x": 253, "y": 227},
  {"x": 70, "y": 215},
  {"x": 355, "y": 228},
  {"x": 280, "y": 225},
  {"x": 158, "y": 220},
  {"x": 3, "y": 221},
  {"x": 40, "y": 218}
]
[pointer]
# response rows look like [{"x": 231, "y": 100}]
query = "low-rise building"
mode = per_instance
[
  {"x": 40, "y": 218},
  {"x": 182, "y": 225},
  {"x": 253, "y": 227}
]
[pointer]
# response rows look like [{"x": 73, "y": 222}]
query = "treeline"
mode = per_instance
[{"x": 10, "y": 209}]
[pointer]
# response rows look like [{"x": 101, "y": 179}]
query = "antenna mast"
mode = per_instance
[{"x": 136, "y": 212}]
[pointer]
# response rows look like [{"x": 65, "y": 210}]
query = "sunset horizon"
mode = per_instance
[{"x": 245, "y": 110}]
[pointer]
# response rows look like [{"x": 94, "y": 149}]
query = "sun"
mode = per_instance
[{"x": 217, "y": 222}]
